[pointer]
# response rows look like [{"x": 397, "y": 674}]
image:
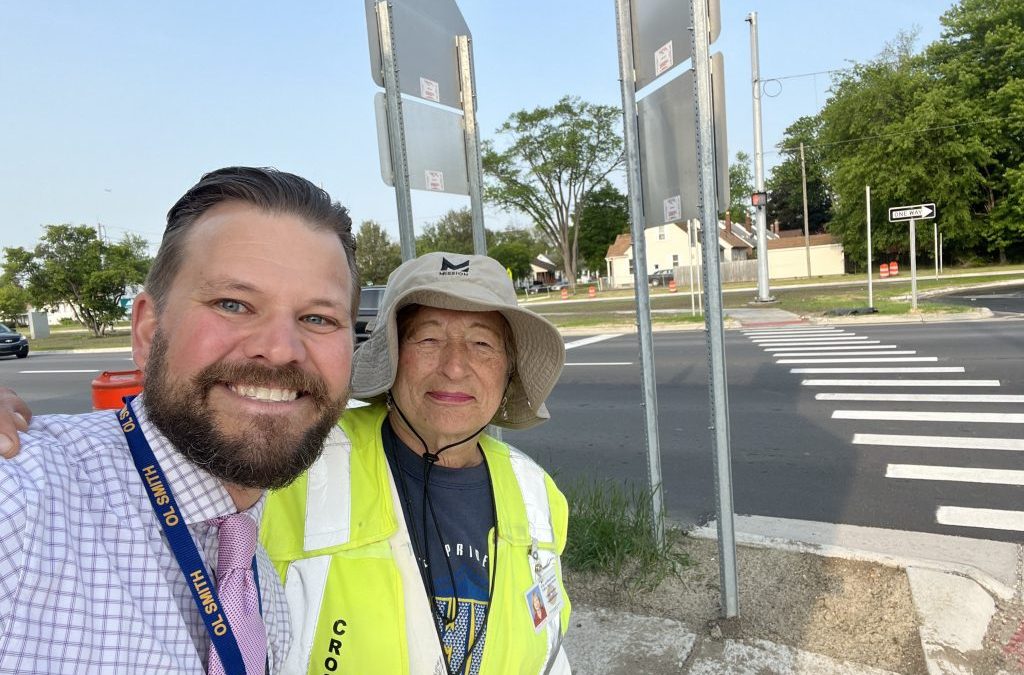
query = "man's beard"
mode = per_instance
[{"x": 270, "y": 453}]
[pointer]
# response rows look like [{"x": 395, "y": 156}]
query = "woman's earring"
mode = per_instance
[{"x": 504, "y": 407}]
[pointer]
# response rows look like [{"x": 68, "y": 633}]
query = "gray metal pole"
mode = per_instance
[
  {"x": 643, "y": 301},
  {"x": 760, "y": 216},
  {"x": 913, "y": 265},
  {"x": 472, "y": 135},
  {"x": 936, "y": 249},
  {"x": 940, "y": 254},
  {"x": 807, "y": 232},
  {"x": 867, "y": 194},
  {"x": 719, "y": 397},
  {"x": 396, "y": 131}
]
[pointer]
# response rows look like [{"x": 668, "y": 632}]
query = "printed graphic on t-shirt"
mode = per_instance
[{"x": 469, "y": 566}]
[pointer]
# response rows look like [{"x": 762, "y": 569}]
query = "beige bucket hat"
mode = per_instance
[{"x": 469, "y": 283}]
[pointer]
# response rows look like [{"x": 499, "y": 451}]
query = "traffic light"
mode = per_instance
[{"x": 759, "y": 199}]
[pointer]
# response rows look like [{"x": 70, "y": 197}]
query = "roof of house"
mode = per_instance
[
  {"x": 619, "y": 246},
  {"x": 794, "y": 242},
  {"x": 543, "y": 264}
]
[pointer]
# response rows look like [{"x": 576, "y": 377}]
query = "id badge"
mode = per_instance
[{"x": 536, "y": 607}]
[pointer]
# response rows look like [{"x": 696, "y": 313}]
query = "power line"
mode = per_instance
[{"x": 914, "y": 132}]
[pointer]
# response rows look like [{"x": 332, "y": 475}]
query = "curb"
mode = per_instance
[{"x": 953, "y": 599}]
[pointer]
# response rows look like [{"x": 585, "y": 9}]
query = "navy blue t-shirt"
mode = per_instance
[{"x": 464, "y": 512}]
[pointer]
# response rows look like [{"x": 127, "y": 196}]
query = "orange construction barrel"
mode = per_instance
[
  {"x": 113, "y": 385},
  {"x": 894, "y": 269},
  {"x": 592, "y": 292},
  {"x": 565, "y": 294},
  {"x": 883, "y": 270},
  {"x": 671, "y": 285}
]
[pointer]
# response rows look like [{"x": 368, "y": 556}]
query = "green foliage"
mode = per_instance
[
  {"x": 452, "y": 233},
  {"x": 605, "y": 216},
  {"x": 945, "y": 125},
  {"x": 71, "y": 265},
  {"x": 13, "y": 303},
  {"x": 514, "y": 256},
  {"x": 784, "y": 185},
  {"x": 611, "y": 532},
  {"x": 741, "y": 186},
  {"x": 376, "y": 254},
  {"x": 553, "y": 160}
]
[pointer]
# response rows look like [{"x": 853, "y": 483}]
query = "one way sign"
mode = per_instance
[{"x": 919, "y": 212}]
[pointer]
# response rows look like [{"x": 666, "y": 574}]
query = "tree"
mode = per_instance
[
  {"x": 13, "y": 303},
  {"x": 605, "y": 216},
  {"x": 741, "y": 186},
  {"x": 554, "y": 159},
  {"x": 515, "y": 256},
  {"x": 376, "y": 254},
  {"x": 71, "y": 265},
  {"x": 784, "y": 185},
  {"x": 978, "y": 67},
  {"x": 452, "y": 233},
  {"x": 515, "y": 249}
]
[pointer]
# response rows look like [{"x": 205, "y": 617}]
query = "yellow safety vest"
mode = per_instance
[{"x": 356, "y": 599}]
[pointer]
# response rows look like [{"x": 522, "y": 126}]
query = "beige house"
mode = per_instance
[
  {"x": 668, "y": 248},
  {"x": 787, "y": 256}
]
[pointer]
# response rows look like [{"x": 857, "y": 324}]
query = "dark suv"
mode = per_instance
[
  {"x": 369, "y": 304},
  {"x": 660, "y": 277},
  {"x": 12, "y": 343}
]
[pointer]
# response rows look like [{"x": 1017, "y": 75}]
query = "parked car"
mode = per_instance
[
  {"x": 660, "y": 277},
  {"x": 12, "y": 343},
  {"x": 369, "y": 304}
]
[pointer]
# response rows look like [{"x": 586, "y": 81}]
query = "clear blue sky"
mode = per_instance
[{"x": 111, "y": 109}]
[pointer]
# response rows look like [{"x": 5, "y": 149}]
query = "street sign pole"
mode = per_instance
[
  {"x": 913, "y": 266},
  {"x": 867, "y": 195},
  {"x": 708, "y": 202},
  {"x": 643, "y": 301},
  {"x": 396, "y": 126},
  {"x": 472, "y": 133},
  {"x": 936, "y": 248}
]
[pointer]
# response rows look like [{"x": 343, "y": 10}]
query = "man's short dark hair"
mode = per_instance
[{"x": 267, "y": 189}]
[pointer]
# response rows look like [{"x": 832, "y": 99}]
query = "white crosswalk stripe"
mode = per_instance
[
  {"x": 818, "y": 347},
  {"x": 993, "y": 519}
]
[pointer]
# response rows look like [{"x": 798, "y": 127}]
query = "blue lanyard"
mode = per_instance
[{"x": 184, "y": 549}]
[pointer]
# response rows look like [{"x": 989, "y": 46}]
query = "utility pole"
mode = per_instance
[
  {"x": 807, "y": 231},
  {"x": 759, "y": 207}
]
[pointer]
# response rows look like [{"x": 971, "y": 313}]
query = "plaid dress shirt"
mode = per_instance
[{"x": 88, "y": 582}]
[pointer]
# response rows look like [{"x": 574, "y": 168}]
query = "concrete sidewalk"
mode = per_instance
[{"x": 955, "y": 585}]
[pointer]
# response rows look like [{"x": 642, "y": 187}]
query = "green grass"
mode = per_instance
[
  {"x": 611, "y": 533},
  {"x": 80, "y": 340}
]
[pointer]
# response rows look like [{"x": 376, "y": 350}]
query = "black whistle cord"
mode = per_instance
[{"x": 447, "y": 618}]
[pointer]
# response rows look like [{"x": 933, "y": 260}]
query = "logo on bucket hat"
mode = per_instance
[{"x": 449, "y": 268}]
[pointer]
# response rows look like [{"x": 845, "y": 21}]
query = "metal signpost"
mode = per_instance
[
  {"x": 709, "y": 202},
  {"x": 431, "y": 146},
  {"x": 899, "y": 214},
  {"x": 643, "y": 301},
  {"x": 867, "y": 196}
]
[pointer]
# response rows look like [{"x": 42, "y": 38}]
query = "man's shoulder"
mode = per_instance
[{"x": 57, "y": 449}]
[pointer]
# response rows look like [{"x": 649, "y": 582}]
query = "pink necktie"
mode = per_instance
[{"x": 238, "y": 594}]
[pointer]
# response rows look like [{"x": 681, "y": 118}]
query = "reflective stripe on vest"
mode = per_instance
[
  {"x": 530, "y": 477},
  {"x": 328, "y": 509}
]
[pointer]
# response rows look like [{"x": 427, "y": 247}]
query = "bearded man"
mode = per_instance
[{"x": 128, "y": 539}]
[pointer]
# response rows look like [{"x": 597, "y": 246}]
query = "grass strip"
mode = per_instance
[{"x": 611, "y": 533}]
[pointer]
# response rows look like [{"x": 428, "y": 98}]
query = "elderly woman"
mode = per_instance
[
  {"x": 417, "y": 539},
  {"x": 418, "y": 543}
]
